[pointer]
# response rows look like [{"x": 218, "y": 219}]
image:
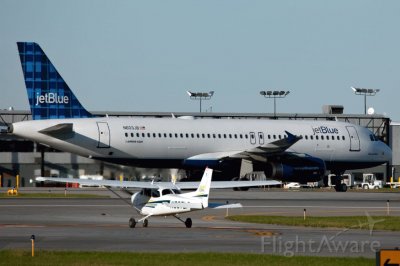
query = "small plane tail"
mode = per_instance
[
  {"x": 203, "y": 190},
  {"x": 49, "y": 95}
]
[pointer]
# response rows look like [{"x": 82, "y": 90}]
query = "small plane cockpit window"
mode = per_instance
[
  {"x": 166, "y": 191},
  {"x": 155, "y": 193}
]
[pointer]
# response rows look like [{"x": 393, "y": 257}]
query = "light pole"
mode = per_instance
[
  {"x": 365, "y": 92},
  {"x": 274, "y": 95},
  {"x": 200, "y": 96}
]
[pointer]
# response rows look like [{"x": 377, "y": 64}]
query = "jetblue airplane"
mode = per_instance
[{"x": 287, "y": 150}]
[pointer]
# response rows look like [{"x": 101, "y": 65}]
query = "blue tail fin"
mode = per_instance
[{"x": 49, "y": 95}]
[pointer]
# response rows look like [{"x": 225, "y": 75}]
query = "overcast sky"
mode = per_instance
[{"x": 144, "y": 55}]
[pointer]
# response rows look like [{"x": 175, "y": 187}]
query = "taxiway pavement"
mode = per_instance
[{"x": 102, "y": 225}]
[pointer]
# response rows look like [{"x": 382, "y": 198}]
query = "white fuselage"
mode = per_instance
[{"x": 137, "y": 140}]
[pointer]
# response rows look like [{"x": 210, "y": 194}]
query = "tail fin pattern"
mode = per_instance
[{"x": 49, "y": 95}]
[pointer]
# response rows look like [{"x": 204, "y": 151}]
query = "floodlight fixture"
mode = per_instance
[
  {"x": 274, "y": 94},
  {"x": 365, "y": 92},
  {"x": 200, "y": 96}
]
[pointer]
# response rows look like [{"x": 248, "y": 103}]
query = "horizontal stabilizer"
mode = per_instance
[
  {"x": 224, "y": 206},
  {"x": 64, "y": 130}
]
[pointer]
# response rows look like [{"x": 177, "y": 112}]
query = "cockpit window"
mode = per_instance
[
  {"x": 373, "y": 137},
  {"x": 167, "y": 191},
  {"x": 155, "y": 193}
]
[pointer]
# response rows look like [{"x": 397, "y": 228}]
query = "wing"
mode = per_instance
[
  {"x": 107, "y": 183},
  {"x": 259, "y": 153},
  {"x": 138, "y": 184}
]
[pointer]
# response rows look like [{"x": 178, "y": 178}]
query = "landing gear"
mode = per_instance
[
  {"x": 132, "y": 222},
  {"x": 145, "y": 223},
  {"x": 188, "y": 222},
  {"x": 339, "y": 186}
]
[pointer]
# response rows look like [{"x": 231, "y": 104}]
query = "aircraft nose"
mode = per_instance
[{"x": 386, "y": 152}]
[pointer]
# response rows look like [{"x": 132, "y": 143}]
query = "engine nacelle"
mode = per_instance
[{"x": 295, "y": 173}]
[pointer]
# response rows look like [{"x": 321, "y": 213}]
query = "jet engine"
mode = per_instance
[{"x": 295, "y": 172}]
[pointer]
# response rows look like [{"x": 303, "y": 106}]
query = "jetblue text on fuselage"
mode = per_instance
[
  {"x": 325, "y": 130},
  {"x": 51, "y": 97}
]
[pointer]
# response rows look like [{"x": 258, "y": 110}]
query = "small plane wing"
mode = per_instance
[{"x": 140, "y": 184}]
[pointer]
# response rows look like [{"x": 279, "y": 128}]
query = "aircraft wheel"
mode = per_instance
[
  {"x": 145, "y": 223},
  {"x": 343, "y": 188},
  {"x": 132, "y": 223},
  {"x": 365, "y": 187},
  {"x": 188, "y": 223}
]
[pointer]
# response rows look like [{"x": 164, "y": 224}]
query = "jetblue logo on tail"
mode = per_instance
[
  {"x": 51, "y": 97},
  {"x": 48, "y": 93}
]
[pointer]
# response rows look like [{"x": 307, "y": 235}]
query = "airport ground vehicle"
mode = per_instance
[
  {"x": 348, "y": 180},
  {"x": 370, "y": 182}
]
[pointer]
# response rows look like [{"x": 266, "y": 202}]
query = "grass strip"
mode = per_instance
[
  {"x": 18, "y": 257},
  {"x": 352, "y": 222}
]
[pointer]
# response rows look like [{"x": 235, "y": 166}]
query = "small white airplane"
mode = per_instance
[{"x": 165, "y": 198}]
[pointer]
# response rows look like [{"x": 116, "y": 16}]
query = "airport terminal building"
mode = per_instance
[{"x": 28, "y": 159}]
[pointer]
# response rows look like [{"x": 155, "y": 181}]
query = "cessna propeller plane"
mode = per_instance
[{"x": 166, "y": 198}]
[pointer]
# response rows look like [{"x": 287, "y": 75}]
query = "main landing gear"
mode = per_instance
[
  {"x": 339, "y": 186},
  {"x": 132, "y": 222},
  {"x": 187, "y": 222}
]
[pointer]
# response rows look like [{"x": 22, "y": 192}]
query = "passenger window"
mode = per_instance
[
  {"x": 198, "y": 135},
  {"x": 159, "y": 135},
  {"x": 170, "y": 135},
  {"x": 143, "y": 135},
  {"x": 181, "y": 135},
  {"x": 274, "y": 136},
  {"x": 208, "y": 136},
  {"x": 187, "y": 135},
  {"x": 192, "y": 135},
  {"x": 126, "y": 134},
  {"x": 322, "y": 137},
  {"x": 245, "y": 136},
  {"x": 219, "y": 136},
  {"x": 154, "y": 135},
  {"x": 241, "y": 136},
  {"x": 235, "y": 136},
  {"x": 203, "y": 136},
  {"x": 269, "y": 136},
  {"x": 176, "y": 135},
  {"x": 148, "y": 135},
  {"x": 224, "y": 136},
  {"x": 214, "y": 136},
  {"x": 316, "y": 137},
  {"x": 311, "y": 137},
  {"x": 306, "y": 137},
  {"x": 137, "y": 134},
  {"x": 230, "y": 136},
  {"x": 343, "y": 138},
  {"x": 165, "y": 135}
]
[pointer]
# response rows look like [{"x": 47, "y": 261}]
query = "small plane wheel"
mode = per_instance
[
  {"x": 145, "y": 223},
  {"x": 188, "y": 223},
  {"x": 132, "y": 222}
]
